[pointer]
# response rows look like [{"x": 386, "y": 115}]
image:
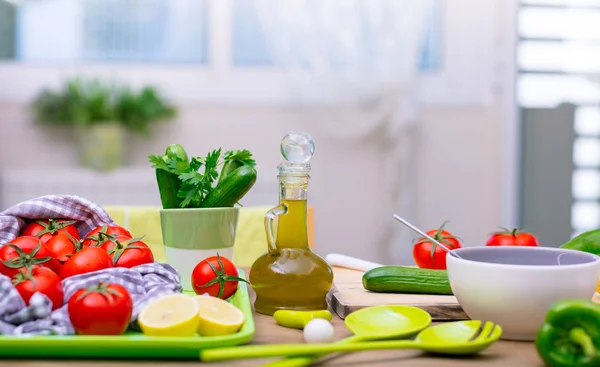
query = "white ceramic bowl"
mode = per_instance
[{"x": 515, "y": 286}]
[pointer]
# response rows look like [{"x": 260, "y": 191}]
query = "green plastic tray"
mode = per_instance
[{"x": 131, "y": 344}]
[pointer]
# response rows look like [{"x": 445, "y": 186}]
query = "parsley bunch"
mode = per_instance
[{"x": 196, "y": 185}]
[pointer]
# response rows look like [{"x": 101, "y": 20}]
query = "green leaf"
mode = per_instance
[
  {"x": 196, "y": 163},
  {"x": 210, "y": 167},
  {"x": 195, "y": 185},
  {"x": 192, "y": 178},
  {"x": 191, "y": 195},
  {"x": 85, "y": 102},
  {"x": 243, "y": 156},
  {"x": 158, "y": 162},
  {"x": 177, "y": 165}
]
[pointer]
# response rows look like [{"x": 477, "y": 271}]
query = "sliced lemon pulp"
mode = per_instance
[
  {"x": 217, "y": 316},
  {"x": 172, "y": 315}
]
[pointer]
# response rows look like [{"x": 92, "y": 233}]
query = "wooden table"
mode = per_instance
[{"x": 500, "y": 354}]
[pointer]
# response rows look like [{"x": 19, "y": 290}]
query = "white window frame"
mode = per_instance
[
  {"x": 477, "y": 70},
  {"x": 462, "y": 81},
  {"x": 510, "y": 123}
]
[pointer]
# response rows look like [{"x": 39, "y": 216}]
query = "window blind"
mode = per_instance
[{"x": 559, "y": 62}]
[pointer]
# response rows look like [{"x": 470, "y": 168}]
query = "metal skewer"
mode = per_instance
[{"x": 450, "y": 252}]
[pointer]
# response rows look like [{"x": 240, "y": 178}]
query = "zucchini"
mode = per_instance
[
  {"x": 229, "y": 191},
  {"x": 229, "y": 167},
  {"x": 169, "y": 183},
  {"x": 401, "y": 279},
  {"x": 234, "y": 159}
]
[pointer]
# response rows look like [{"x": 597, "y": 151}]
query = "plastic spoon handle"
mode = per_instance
[
  {"x": 350, "y": 262},
  {"x": 293, "y": 362},
  {"x": 291, "y": 350},
  {"x": 425, "y": 235},
  {"x": 308, "y": 360}
]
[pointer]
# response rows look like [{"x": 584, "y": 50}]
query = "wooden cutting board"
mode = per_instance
[{"x": 348, "y": 295}]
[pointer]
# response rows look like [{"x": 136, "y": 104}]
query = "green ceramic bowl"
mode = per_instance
[{"x": 191, "y": 235}]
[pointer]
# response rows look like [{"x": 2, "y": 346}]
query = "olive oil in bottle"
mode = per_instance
[{"x": 290, "y": 276}]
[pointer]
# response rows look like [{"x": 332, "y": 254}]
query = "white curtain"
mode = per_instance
[{"x": 358, "y": 59}]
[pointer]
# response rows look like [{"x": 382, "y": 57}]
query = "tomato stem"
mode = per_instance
[
  {"x": 102, "y": 289},
  {"x": 438, "y": 236},
  {"x": 21, "y": 277},
  {"x": 77, "y": 243},
  {"x": 120, "y": 247},
  {"x": 221, "y": 277},
  {"x": 439, "y": 231},
  {"x": 514, "y": 232},
  {"x": 23, "y": 259},
  {"x": 101, "y": 236},
  {"x": 52, "y": 226}
]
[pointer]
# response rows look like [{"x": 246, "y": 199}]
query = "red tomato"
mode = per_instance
[
  {"x": 128, "y": 252},
  {"x": 99, "y": 235},
  {"x": 25, "y": 251},
  {"x": 428, "y": 255},
  {"x": 103, "y": 309},
  {"x": 512, "y": 238},
  {"x": 39, "y": 279},
  {"x": 219, "y": 280},
  {"x": 87, "y": 260},
  {"x": 63, "y": 246},
  {"x": 46, "y": 229}
]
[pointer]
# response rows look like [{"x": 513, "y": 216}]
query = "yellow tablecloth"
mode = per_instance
[{"x": 250, "y": 242}]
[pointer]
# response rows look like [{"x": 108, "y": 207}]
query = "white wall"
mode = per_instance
[
  {"x": 466, "y": 150},
  {"x": 458, "y": 166}
]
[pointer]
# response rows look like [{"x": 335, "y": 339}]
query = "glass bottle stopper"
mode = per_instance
[{"x": 297, "y": 147}]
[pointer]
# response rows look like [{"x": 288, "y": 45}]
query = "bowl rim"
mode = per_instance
[{"x": 594, "y": 259}]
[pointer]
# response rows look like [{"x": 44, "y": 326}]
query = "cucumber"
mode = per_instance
[
  {"x": 401, "y": 279},
  {"x": 229, "y": 191},
  {"x": 177, "y": 151},
  {"x": 229, "y": 167},
  {"x": 168, "y": 183}
]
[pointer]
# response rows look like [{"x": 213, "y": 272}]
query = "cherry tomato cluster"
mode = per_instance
[
  {"x": 49, "y": 251},
  {"x": 430, "y": 256}
]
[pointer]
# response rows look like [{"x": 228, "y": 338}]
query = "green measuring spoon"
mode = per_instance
[
  {"x": 453, "y": 338},
  {"x": 373, "y": 323}
]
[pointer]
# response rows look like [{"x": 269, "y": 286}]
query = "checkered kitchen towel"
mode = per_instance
[{"x": 144, "y": 282}]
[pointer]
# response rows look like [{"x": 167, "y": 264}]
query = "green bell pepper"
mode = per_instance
[
  {"x": 586, "y": 242},
  {"x": 570, "y": 335}
]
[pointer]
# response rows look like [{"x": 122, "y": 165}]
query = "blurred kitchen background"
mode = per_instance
[{"x": 485, "y": 113}]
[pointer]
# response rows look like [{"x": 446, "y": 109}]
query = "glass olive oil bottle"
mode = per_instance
[{"x": 290, "y": 275}]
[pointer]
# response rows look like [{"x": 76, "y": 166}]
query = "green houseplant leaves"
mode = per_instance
[{"x": 82, "y": 103}]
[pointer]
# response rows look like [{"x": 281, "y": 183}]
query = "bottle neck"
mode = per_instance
[
  {"x": 292, "y": 231},
  {"x": 293, "y": 187}
]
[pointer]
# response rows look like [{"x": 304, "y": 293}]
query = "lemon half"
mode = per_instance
[
  {"x": 217, "y": 316},
  {"x": 172, "y": 315}
]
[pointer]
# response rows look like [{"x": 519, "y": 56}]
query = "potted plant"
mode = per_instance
[
  {"x": 199, "y": 196},
  {"x": 101, "y": 115}
]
